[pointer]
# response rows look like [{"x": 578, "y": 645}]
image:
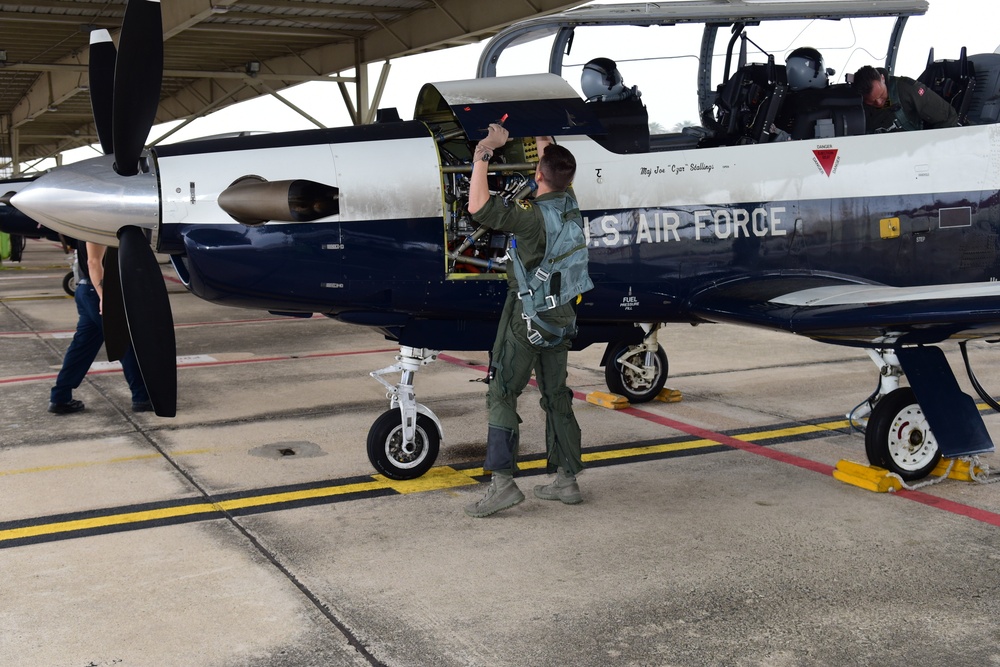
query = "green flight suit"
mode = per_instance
[
  {"x": 514, "y": 358},
  {"x": 911, "y": 106}
]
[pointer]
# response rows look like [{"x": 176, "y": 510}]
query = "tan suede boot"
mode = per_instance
[
  {"x": 563, "y": 487},
  {"x": 501, "y": 494}
]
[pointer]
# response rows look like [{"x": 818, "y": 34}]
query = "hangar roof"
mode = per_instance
[{"x": 211, "y": 51}]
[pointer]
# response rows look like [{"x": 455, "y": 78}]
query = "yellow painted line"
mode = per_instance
[
  {"x": 435, "y": 479},
  {"x": 90, "y": 464},
  {"x": 103, "y": 521},
  {"x": 183, "y": 510},
  {"x": 34, "y": 298},
  {"x": 291, "y": 496},
  {"x": 438, "y": 478},
  {"x": 648, "y": 449},
  {"x": 793, "y": 430}
]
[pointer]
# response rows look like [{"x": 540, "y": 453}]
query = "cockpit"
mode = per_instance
[{"x": 777, "y": 73}]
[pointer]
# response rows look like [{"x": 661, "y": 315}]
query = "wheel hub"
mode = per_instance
[
  {"x": 403, "y": 452},
  {"x": 910, "y": 444}
]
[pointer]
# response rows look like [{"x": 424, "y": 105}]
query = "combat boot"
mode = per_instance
[
  {"x": 501, "y": 494},
  {"x": 563, "y": 487}
]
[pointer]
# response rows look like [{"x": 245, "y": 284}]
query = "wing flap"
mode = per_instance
[{"x": 839, "y": 309}]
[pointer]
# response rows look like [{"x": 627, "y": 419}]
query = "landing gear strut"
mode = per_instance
[
  {"x": 637, "y": 372},
  {"x": 403, "y": 442}
]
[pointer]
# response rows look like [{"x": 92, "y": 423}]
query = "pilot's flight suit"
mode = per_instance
[
  {"x": 513, "y": 357},
  {"x": 911, "y": 105}
]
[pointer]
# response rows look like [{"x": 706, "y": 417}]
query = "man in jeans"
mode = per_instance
[{"x": 89, "y": 337}]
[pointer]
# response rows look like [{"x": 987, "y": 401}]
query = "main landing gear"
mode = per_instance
[
  {"x": 897, "y": 435},
  {"x": 404, "y": 441},
  {"x": 637, "y": 372}
]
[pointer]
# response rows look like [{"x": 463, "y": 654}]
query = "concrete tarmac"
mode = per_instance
[{"x": 251, "y": 530}]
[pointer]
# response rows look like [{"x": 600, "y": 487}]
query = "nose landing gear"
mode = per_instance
[{"x": 404, "y": 441}]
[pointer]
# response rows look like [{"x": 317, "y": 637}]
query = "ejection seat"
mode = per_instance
[
  {"x": 626, "y": 123},
  {"x": 817, "y": 113},
  {"x": 747, "y": 104},
  {"x": 954, "y": 80},
  {"x": 984, "y": 107},
  {"x": 618, "y": 108}
]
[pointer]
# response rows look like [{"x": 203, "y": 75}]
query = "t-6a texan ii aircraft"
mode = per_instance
[{"x": 775, "y": 208}]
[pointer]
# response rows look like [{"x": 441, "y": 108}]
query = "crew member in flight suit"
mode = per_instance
[
  {"x": 900, "y": 103},
  {"x": 514, "y": 357}
]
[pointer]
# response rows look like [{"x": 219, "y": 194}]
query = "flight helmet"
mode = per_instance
[
  {"x": 804, "y": 69},
  {"x": 601, "y": 78}
]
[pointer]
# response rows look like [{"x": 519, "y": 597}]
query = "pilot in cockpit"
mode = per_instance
[
  {"x": 804, "y": 69},
  {"x": 617, "y": 107},
  {"x": 602, "y": 82},
  {"x": 808, "y": 82}
]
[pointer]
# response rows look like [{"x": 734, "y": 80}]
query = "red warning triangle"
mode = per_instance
[{"x": 827, "y": 159}]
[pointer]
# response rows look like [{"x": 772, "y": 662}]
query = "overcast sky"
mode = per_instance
[{"x": 948, "y": 25}]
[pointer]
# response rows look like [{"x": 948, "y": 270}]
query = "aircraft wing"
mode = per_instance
[{"x": 837, "y": 309}]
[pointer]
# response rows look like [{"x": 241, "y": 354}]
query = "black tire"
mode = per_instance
[
  {"x": 623, "y": 380},
  {"x": 898, "y": 438},
  {"x": 385, "y": 441},
  {"x": 69, "y": 283}
]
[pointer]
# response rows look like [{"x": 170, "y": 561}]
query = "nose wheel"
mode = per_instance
[
  {"x": 395, "y": 457},
  {"x": 898, "y": 437}
]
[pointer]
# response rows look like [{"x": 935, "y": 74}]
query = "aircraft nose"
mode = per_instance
[{"x": 88, "y": 201}]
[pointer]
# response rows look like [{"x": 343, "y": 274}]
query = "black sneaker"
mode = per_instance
[
  {"x": 66, "y": 408},
  {"x": 142, "y": 406}
]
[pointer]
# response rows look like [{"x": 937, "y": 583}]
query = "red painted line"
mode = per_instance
[
  {"x": 961, "y": 509},
  {"x": 706, "y": 434},
  {"x": 951, "y": 506},
  {"x": 259, "y": 360},
  {"x": 187, "y": 325},
  {"x": 201, "y": 364}
]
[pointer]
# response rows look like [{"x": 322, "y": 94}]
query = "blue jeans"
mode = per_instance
[{"x": 87, "y": 342}]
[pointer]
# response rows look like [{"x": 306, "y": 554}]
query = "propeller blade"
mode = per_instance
[
  {"x": 113, "y": 309},
  {"x": 150, "y": 322},
  {"x": 102, "y": 85},
  {"x": 138, "y": 76}
]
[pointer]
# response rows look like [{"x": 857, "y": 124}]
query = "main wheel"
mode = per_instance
[
  {"x": 627, "y": 381},
  {"x": 898, "y": 437},
  {"x": 69, "y": 283},
  {"x": 392, "y": 457}
]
